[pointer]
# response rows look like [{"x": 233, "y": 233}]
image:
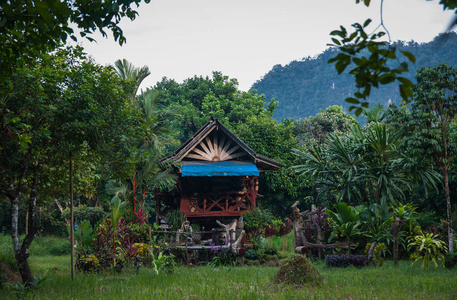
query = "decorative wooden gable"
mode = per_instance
[{"x": 212, "y": 149}]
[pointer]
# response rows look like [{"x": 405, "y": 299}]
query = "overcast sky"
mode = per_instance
[{"x": 244, "y": 39}]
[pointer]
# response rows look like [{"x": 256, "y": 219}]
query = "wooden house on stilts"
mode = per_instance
[{"x": 218, "y": 176}]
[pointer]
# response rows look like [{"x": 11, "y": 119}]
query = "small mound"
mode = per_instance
[{"x": 299, "y": 271}]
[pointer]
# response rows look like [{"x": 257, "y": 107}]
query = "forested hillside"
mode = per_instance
[{"x": 306, "y": 86}]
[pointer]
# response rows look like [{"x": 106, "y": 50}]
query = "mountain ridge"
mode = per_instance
[{"x": 306, "y": 86}]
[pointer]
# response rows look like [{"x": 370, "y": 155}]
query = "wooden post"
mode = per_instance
[
  {"x": 157, "y": 208},
  {"x": 72, "y": 220}
]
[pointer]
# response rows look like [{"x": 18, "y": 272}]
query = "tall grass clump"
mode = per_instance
[
  {"x": 297, "y": 270},
  {"x": 284, "y": 243}
]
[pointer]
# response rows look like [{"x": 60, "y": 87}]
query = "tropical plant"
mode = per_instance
[
  {"x": 428, "y": 248},
  {"x": 378, "y": 252},
  {"x": 162, "y": 262},
  {"x": 401, "y": 213},
  {"x": 21, "y": 290},
  {"x": 127, "y": 71},
  {"x": 152, "y": 172},
  {"x": 377, "y": 220},
  {"x": 375, "y": 114},
  {"x": 117, "y": 211},
  {"x": 221, "y": 257},
  {"x": 361, "y": 166},
  {"x": 345, "y": 221},
  {"x": 84, "y": 233}
]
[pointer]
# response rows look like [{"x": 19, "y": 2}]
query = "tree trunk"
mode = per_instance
[
  {"x": 67, "y": 222},
  {"x": 395, "y": 230},
  {"x": 21, "y": 252},
  {"x": 21, "y": 256},
  {"x": 448, "y": 209},
  {"x": 299, "y": 237},
  {"x": 72, "y": 222},
  {"x": 370, "y": 252}
]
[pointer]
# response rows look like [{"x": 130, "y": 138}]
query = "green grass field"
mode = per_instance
[{"x": 388, "y": 282}]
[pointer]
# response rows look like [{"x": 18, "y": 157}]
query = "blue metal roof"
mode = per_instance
[{"x": 225, "y": 168}]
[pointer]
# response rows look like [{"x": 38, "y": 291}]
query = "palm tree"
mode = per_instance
[
  {"x": 375, "y": 114},
  {"x": 362, "y": 166},
  {"x": 127, "y": 71},
  {"x": 150, "y": 173}
]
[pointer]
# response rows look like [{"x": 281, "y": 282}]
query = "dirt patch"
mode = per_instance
[{"x": 9, "y": 275}]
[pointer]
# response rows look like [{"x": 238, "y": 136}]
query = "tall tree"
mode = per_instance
[
  {"x": 58, "y": 104},
  {"x": 434, "y": 109},
  {"x": 315, "y": 129}
]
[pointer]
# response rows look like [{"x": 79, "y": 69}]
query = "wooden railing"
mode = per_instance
[{"x": 231, "y": 203}]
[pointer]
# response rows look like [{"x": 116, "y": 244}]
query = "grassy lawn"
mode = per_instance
[{"x": 405, "y": 282}]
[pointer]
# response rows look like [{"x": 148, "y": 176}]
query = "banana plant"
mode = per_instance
[{"x": 345, "y": 221}]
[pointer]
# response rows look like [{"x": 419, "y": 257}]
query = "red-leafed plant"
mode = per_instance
[{"x": 141, "y": 216}]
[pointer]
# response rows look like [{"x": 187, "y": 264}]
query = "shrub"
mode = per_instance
[
  {"x": 428, "y": 248},
  {"x": 162, "y": 262},
  {"x": 285, "y": 227},
  {"x": 252, "y": 254},
  {"x": 257, "y": 219},
  {"x": 103, "y": 245},
  {"x": 92, "y": 214},
  {"x": 298, "y": 270},
  {"x": 222, "y": 256},
  {"x": 342, "y": 261},
  {"x": 87, "y": 263}
]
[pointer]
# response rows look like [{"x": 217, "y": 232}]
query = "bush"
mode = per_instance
[
  {"x": 252, "y": 254},
  {"x": 428, "y": 248},
  {"x": 298, "y": 270},
  {"x": 221, "y": 256},
  {"x": 257, "y": 219},
  {"x": 342, "y": 261},
  {"x": 87, "y": 263}
]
